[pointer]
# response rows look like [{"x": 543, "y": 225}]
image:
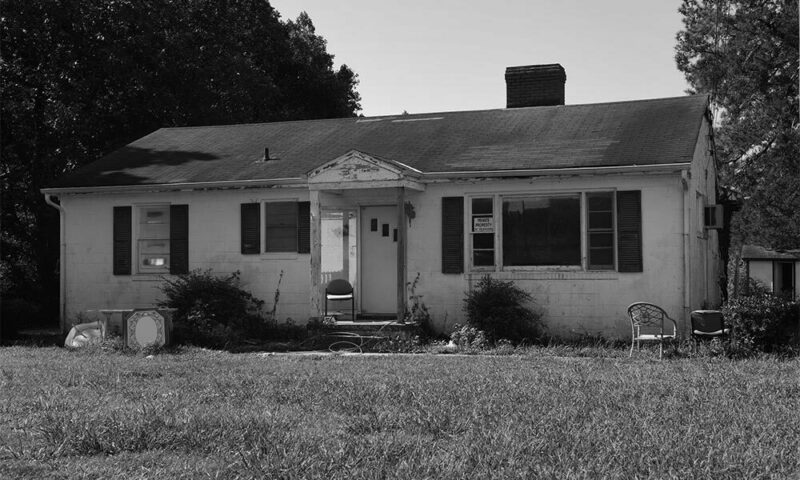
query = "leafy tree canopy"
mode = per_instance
[
  {"x": 744, "y": 53},
  {"x": 82, "y": 78}
]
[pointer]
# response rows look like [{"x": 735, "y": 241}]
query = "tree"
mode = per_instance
[
  {"x": 744, "y": 54},
  {"x": 80, "y": 79}
]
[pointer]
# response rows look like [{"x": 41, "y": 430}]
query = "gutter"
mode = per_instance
[
  {"x": 290, "y": 181},
  {"x": 424, "y": 176},
  {"x": 666, "y": 167},
  {"x": 687, "y": 266},
  {"x": 62, "y": 263}
]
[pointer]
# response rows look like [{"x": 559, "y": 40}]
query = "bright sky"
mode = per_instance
[{"x": 444, "y": 55}]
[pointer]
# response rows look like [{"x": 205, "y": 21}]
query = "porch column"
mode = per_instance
[
  {"x": 316, "y": 254},
  {"x": 401, "y": 253}
]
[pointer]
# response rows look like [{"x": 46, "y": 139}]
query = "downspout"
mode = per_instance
[
  {"x": 687, "y": 266},
  {"x": 62, "y": 265}
]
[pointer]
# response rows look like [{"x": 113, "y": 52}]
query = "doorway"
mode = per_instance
[
  {"x": 378, "y": 261},
  {"x": 784, "y": 280}
]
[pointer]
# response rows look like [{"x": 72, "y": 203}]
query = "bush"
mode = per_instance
[
  {"x": 502, "y": 310},
  {"x": 762, "y": 322},
  {"x": 469, "y": 338},
  {"x": 211, "y": 310}
]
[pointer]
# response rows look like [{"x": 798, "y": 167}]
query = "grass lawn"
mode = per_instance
[{"x": 198, "y": 414}]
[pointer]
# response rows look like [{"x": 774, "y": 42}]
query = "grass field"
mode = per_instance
[{"x": 205, "y": 414}]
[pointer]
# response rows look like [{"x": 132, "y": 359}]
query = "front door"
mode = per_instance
[{"x": 378, "y": 260}]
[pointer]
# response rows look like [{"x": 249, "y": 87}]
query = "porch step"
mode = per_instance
[{"x": 361, "y": 332}]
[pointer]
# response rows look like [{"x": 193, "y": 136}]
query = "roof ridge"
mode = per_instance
[{"x": 424, "y": 114}]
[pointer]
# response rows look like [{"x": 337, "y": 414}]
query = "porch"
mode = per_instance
[{"x": 359, "y": 226}]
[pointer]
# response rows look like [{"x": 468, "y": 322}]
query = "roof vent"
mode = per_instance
[{"x": 535, "y": 85}]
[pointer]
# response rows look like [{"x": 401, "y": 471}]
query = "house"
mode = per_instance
[
  {"x": 587, "y": 207},
  {"x": 777, "y": 270}
]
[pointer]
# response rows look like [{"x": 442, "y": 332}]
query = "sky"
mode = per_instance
[{"x": 450, "y": 55}]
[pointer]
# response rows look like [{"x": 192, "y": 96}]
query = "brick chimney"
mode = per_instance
[{"x": 535, "y": 85}]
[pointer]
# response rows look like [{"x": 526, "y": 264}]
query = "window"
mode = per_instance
[
  {"x": 287, "y": 227},
  {"x": 280, "y": 220},
  {"x": 482, "y": 228},
  {"x": 600, "y": 230},
  {"x": 589, "y": 231},
  {"x": 153, "y": 239},
  {"x": 542, "y": 230}
]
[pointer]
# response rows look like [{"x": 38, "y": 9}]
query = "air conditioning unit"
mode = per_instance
[{"x": 713, "y": 217}]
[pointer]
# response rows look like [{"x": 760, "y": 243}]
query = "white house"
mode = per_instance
[
  {"x": 778, "y": 271},
  {"x": 587, "y": 207}
]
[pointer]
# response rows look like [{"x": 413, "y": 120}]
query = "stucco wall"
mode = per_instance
[
  {"x": 574, "y": 303},
  {"x": 704, "y": 260},
  {"x": 214, "y": 243}
]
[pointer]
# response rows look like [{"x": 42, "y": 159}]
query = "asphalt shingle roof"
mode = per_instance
[
  {"x": 642, "y": 132},
  {"x": 755, "y": 252}
]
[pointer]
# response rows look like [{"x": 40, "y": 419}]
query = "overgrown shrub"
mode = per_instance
[
  {"x": 762, "y": 322},
  {"x": 211, "y": 310},
  {"x": 502, "y": 310}
]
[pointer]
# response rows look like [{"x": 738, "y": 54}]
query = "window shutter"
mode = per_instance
[
  {"x": 179, "y": 239},
  {"x": 453, "y": 235},
  {"x": 304, "y": 227},
  {"x": 122, "y": 241},
  {"x": 629, "y": 231},
  {"x": 251, "y": 228}
]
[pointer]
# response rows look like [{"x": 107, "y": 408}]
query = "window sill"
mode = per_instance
[
  {"x": 548, "y": 274},
  {"x": 149, "y": 277},
  {"x": 280, "y": 256}
]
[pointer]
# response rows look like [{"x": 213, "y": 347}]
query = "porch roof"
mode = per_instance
[{"x": 642, "y": 132}]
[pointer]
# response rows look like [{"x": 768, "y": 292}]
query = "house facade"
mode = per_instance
[{"x": 587, "y": 207}]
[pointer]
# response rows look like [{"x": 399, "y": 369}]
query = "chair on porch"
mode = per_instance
[
  {"x": 647, "y": 324},
  {"x": 338, "y": 290}
]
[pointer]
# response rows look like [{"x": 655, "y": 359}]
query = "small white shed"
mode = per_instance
[{"x": 778, "y": 270}]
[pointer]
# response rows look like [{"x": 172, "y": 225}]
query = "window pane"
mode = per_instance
[
  {"x": 481, "y": 206},
  {"x": 542, "y": 231},
  {"x": 601, "y": 240},
  {"x": 601, "y": 220},
  {"x": 600, "y": 201},
  {"x": 280, "y": 231},
  {"x": 601, "y": 258},
  {"x": 281, "y": 239},
  {"x": 483, "y": 258},
  {"x": 483, "y": 240}
]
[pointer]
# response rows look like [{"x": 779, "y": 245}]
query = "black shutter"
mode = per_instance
[
  {"x": 251, "y": 228},
  {"x": 304, "y": 227},
  {"x": 453, "y": 235},
  {"x": 122, "y": 240},
  {"x": 178, "y": 239},
  {"x": 629, "y": 231}
]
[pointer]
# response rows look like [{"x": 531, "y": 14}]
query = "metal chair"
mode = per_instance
[
  {"x": 338, "y": 290},
  {"x": 708, "y": 325},
  {"x": 650, "y": 318}
]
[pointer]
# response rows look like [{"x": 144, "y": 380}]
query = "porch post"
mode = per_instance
[
  {"x": 316, "y": 254},
  {"x": 401, "y": 253}
]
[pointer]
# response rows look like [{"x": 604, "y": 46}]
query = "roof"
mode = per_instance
[
  {"x": 755, "y": 252},
  {"x": 642, "y": 132}
]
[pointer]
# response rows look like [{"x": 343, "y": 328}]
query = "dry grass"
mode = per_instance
[{"x": 199, "y": 414}]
